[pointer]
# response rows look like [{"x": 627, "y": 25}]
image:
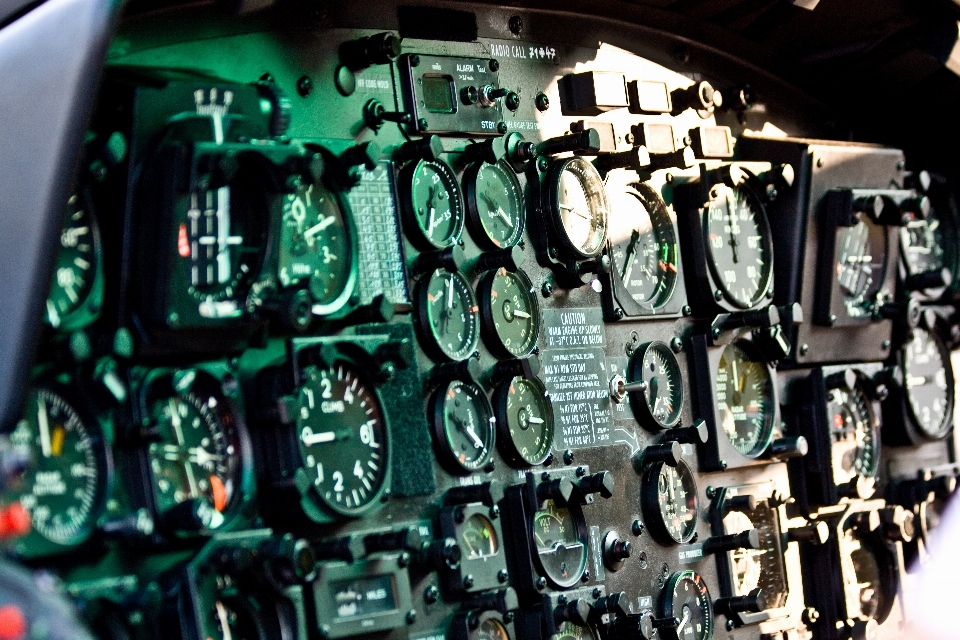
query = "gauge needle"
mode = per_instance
[
  {"x": 573, "y": 210},
  {"x": 535, "y": 420},
  {"x": 178, "y": 432},
  {"x": 432, "y": 209},
  {"x": 477, "y": 442},
  {"x": 683, "y": 621},
  {"x": 317, "y": 228},
  {"x": 450, "y": 294},
  {"x": 224, "y": 619},
  {"x": 201, "y": 456},
  {"x": 503, "y": 214},
  {"x": 310, "y": 438},
  {"x": 43, "y": 421},
  {"x": 631, "y": 256},
  {"x": 521, "y": 314},
  {"x": 731, "y": 215},
  {"x": 736, "y": 376}
]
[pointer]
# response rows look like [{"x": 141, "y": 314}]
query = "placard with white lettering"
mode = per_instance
[
  {"x": 577, "y": 383},
  {"x": 569, "y": 328}
]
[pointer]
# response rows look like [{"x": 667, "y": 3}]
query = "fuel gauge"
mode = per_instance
[{"x": 560, "y": 540}]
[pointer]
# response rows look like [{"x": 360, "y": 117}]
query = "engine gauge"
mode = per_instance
[
  {"x": 869, "y": 576},
  {"x": 240, "y": 611},
  {"x": 463, "y": 425},
  {"x": 317, "y": 246},
  {"x": 762, "y": 568},
  {"x": 198, "y": 451},
  {"x": 922, "y": 244},
  {"x": 342, "y": 437},
  {"x": 643, "y": 245},
  {"x": 571, "y": 631},
  {"x": 686, "y": 598},
  {"x": 77, "y": 278},
  {"x": 64, "y": 483},
  {"x": 661, "y": 402},
  {"x": 525, "y": 419},
  {"x": 739, "y": 245},
  {"x": 861, "y": 265},
  {"x": 744, "y": 397},
  {"x": 510, "y": 312},
  {"x": 855, "y": 434},
  {"x": 432, "y": 204},
  {"x": 494, "y": 204},
  {"x": 560, "y": 539},
  {"x": 668, "y": 499},
  {"x": 448, "y": 315},
  {"x": 577, "y": 205},
  {"x": 928, "y": 383},
  {"x": 478, "y": 537}
]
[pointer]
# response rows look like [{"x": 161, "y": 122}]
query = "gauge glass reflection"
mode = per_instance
[{"x": 479, "y": 538}]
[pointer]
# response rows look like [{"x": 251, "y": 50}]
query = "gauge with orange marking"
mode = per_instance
[
  {"x": 463, "y": 425},
  {"x": 510, "y": 313},
  {"x": 525, "y": 421}
]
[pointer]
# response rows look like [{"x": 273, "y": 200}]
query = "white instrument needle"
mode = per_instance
[{"x": 43, "y": 421}]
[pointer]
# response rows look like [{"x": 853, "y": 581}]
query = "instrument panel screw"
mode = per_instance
[
  {"x": 503, "y": 576},
  {"x": 581, "y": 472},
  {"x": 568, "y": 457},
  {"x": 686, "y": 310},
  {"x": 546, "y": 289},
  {"x": 501, "y": 128},
  {"x": 542, "y": 102},
  {"x": 729, "y": 625},
  {"x": 597, "y": 592},
  {"x": 541, "y": 583},
  {"x": 422, "y": 123},
  {"x": 723, "y": 465},
  {"x": 414, "y": 60},
  {"x": 804, "y": 348},
  {"x": 494, "y": 512},
  {"x": 411, "y": 616},
  {"x": 516, "y": 25},
  {"x": 586, "y": 576},
  {"x": 542, "y": 164},
  {"x": 618, "y": 313},
  {"x": 900, "y": 165},
  {"x": 637, "y": 528},
  {"x": 832, "y": 320},
  {"x": 304, "y": 86},
  {"x": 885, "y": 345},
  {"x": 468, "y": 581},
  {"x": 403, "y": 560},
  {"x": 430, "y": 594},
  {"x": 715, "y": 333},
  {"x": 711, "y": 493},
  {"x": 819, "y": 163},
  {"x": 676, "y": 344},
  {"x": 718, "y": 295},
  {"x": 494, "y": 65}
]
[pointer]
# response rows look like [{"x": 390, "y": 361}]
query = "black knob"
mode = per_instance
[
  {"x": 347, "y": 549},
  {"x": 743, "y": 504},
  {"x": 489, "y": 493},
  {"x": 918, "y": 207},
  {"x": 365, "y": 154},
  {"x": 444, "y": 554},
  {"x": 503, "y": 601},
  {"x": 871, "y": 205},
  {"x": 449, "y": 259},
  {"x": 469, "y": 95},
  {"x": 601, "y": 482},
  {"x": 788, "y": 447},
  {"x": 490, "y": 94},
  {"x": 615, "y": 551},
  {"x": 767, "y": 316},
  {"x": 680, "y": 159},
  {"x": 379, "y": 310},
  {"x": 490, "y": 151},
  {"x": 749, "y": 539},
  {"x": 189, "y": 515},
  {"x": 897, "y": 524},
  {"x": 525, "y": 367},
  {"x": 859, "y": 487},
  {"x": 468, "y": 370},
  {"x": 429, "y": 148},
  {"x": 559, "y": 490},
  {"x": 576, "y": 611},
  {"x": 638, "y": 627},
  {"x": 701, "y": 97},
  {"x": 814, "y": 533},
  {"x": 375, "y": 114},
  {"x": 865, "y": 630},
  {"x": 928, "y": 280},
  {"x": 404, "y": 539},
  {"x": 790, "y": 313},
  {"x": 698, "y": 433},
  {"x": 772, "y": 343},
  {"x": 637, "y": 159},
  {"x": 382, "y": 48},
  {"x": 662, "y": 623},
  {"x": 586, "y": 141},
  {"x": 845, "y": 380},
  {"x": 600, "y": 264},
  {"x": 510, "y": 259},
  {"x": 612, "y": 603},
  {"x": 753, "y": 602},
  {"x": 739, "y": 98},
  {"x": 519, "y": 151},
  {"x": 289, "y": 559},
  {"x": 670, "y": 453},
  {"x": 280, "y": 106},
  {"x": 905, "y": 312}
]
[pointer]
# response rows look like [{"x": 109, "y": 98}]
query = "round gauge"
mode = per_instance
[
  {"x": 490, "y": 629},
  {"x": 740, "y": 247},
  {"x": 316, "y": 246},
  {"x": 668, "y": 499},
  {"x": 560, "y": 539},
  {"x": 478, "y": 537},
  {"x": 78, "y": 261},
  {"x": 758, "y": 568},
  {"x": 861, "y": 265},
  {"x": 928, "y": 383},
  {"x": 343, "y": 438},
  {"x": 237, "y": 611},
  {"x": 855, "y": 434},
  {"x": 745, "y": 398},
  {"x": 868, "y": 572},
  {"x": 525, "y": 419},
  {"x": 432, "y": 204},
  {"x": 64, "y": 481},
  {"x": 661, "y": 402},
  {"x": 463, "y": 425},
  {"x": 578, "y": 206},
  {"x": 448, "y": 315},
  {"x": 510, "y": 311},
  {"x": 686, "y": 598},
  {"x": 494, "y": 204},
  {"x": 747, "y": 568},
  {"x": 197, "y": 452},
  {"x": 570, "y": 631},
  {"x": 923, "y": 244},
  {"x": 643, "y": 245}
]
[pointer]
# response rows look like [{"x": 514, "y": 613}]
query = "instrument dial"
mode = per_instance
[
  {"x": 432, "y": 204},
  {"x": 571, "y": 631},
  {"x": 525, "y": 418},
  {"x": 643, "y": 245},
  {"x": 578, "y": 205},
  {"x": 855, "y": 433},
  {"x": 78, "y": 259},
  {"x": 869, "y": 577},
  {"x": 494, "y": 203},
  {"x": 342, "y": 437},
  {"x": 661, "y": 402},
  {"x": 740, "y": 247},
  {"x": 560, "y": 539},
  {"x": 669, "y": 502},
  {"x": 686, "y": 598},
  {"x": 758, "y": 568},
  {"x": 861, "y": 265},
  {"x": 511, "y": 312},
  {"x": 64, "y": 482},
  {"x": 928, "y": 382},
  {"x": 463, "y": 425},
  {"x": 745, "y": 400},
  {"x": 922, "y": 244},
  {"x": 490, "y": 629},
  {"x": 449, "y": 315},
  {"x": 478, "y": 538}
]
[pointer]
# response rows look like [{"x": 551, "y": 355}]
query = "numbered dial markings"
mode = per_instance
[
  {"x": 463, "y": 425},
  {"x": 511, "y": 312},
  {"x": 740, "y": 248},
  {"x": 661, "y": 401},
  {"x": 525, "y": 418},
  {"x": 855, "y": 433},
  {"x": 494, "y": 202},
  {"x": 578, "y": 205},
  {"x": 449, "y": 315},
  {"x": 745, "y": 400},
  {"x": 686, "y": 598},
  {"x": 433, "y": 204},
  {"x": 342, "y": 437},
  {"x": 758, "y": 568},
  {"x": 490, "y": 629},
  {"x": 869, "y": 576},
  {"x": 669, "y": 502},
  {"x": 861, "y": 265},
  {"x": 560, "y": 538},
  {"x": 928, "y": 383},
  {"x": 922, "y": 244},
  {"x": 63, "y": 483},
  {"x": 478, "y": 538},
  {"x": 77, "y": 261}
]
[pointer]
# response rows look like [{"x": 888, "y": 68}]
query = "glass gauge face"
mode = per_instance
[
  {"x": 928, "y": 382},
  {"x": 196, "y": 454},
  {"x": 490, "y": 629},
  {"x": 869, "y": 579},
  {"x": 669, "y": 502},
  {"x": 763, "y": 567},
  {"x": 571, "y": 631},
  {"x": 525, "y": 416},
  {"x": 686, "y": 598},
  {"x": 343, "y": 437},
  {"x": 580, "y": 206},
  {"x": 560, "y": 538},
  {"x": 740, "y": 247},
  {"x": 63, "y": 483},
  {"x": 854, "y": 431},
  {"x": 745, "y": 402},
  {"x": 511, "y": 312},
  {"x": 449, "y": 315},
  {"x": 656, "y": 366},
  {"x": 922, "y": 244},
  {"x": 495, "y": 203},
  {"x": 315, "y": 243},
  {"x": 464, "y": 425},
  {"x": 436, "y": 203},
  {"x": 76, "y": 268},
  {"x": 236, "y": 614},
  {"x": 861, "y": 265},
  {"x": 478, "y": 538},
  {"x": 643, "y": 245}
]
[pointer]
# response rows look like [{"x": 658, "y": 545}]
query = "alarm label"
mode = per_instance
[
  {"x": 570, "y": 328},
  {"x": 576, "y": 381}
]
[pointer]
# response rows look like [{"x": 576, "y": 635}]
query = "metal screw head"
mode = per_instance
[
  {"x": 403, "y": 560},
  {"x": 715, "y": 333},
  {"x": 502, "y": 126},
  {"x": 885, "y": 345},
  {"x": 411, "y": 616},
  {"x": 900, "y": 165},
  {"x": 430, "y": 594},
  {"x": 718, "y": 295},
  {"x": 729, "y": 625},
  {"x": 542, "y": 102},
  {"x": 642, "y": 560},
  {"x": 637, "y": 528},
  {"x": 568, "y": 457},
  {"x": 494, "y": 512},
  {"x": 552, "y": 252},
  {"x": 686, "y": 310},
  {"x": 515, "y": 25},
  {"x": 494, "y": 65},
  {"x": 723, "y": 464},
  {"x": 542, "y": 164},
  {"x": 618, "y": 313},
  {"x": 832, "y": 320},
  {"x": 422, "y": 123},
  {"x": 541, "y": 583},
  {"x": 819, "y": 163},
  {"x": 468, "y": 581},
  {"x": 676, "y": 344},
  {"x": 581, "y": 471},
  {"x": 586, "y": 576},
  {"x": 711, "y": 493},
  {"x": 304, "y": 86},
  {"x": 502, "y": 576},
  {"x": 414, "y": 60},
  {"x": 804, "y": 348}
]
